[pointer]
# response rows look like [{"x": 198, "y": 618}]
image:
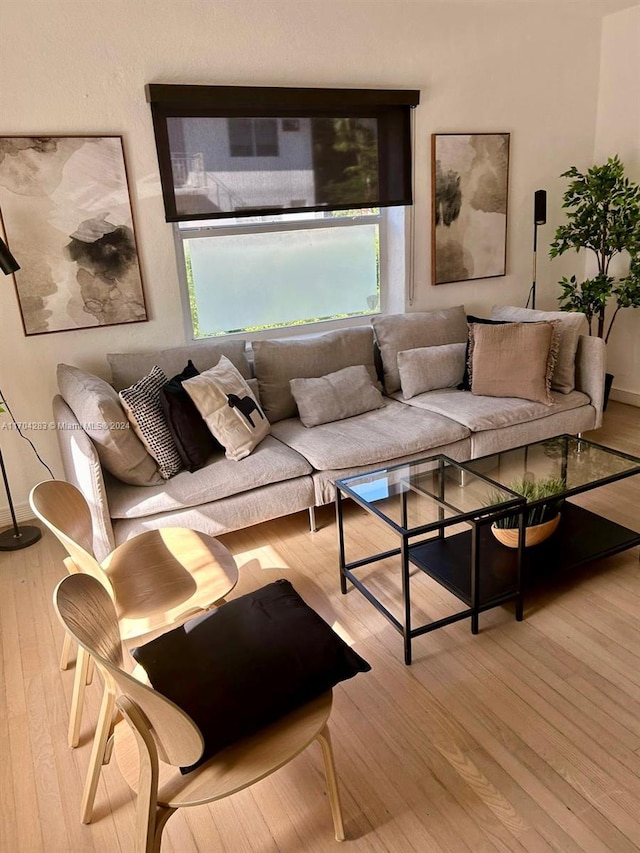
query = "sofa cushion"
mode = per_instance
[
  {"x": 191, "y": 435},
  {"x": 336, "y": 396},
  {"x": 248, "y": 663},
  {"x": 232, "y": 513},
  {"x": 398, "y": 332},
  {"x": 571, "y": 326},
  {"x": 513, "y": 360},
  {"x": 141, "y": 402},
  {"x": 426, "y": 368},
  {"x": 277, "y": 362},
  {"x": 128, "y": 367},
  {"x": 229, "y": 408},
  {"x": 392, "y": 431},
  {"x": 270, "y": 462},
  {"x": 487, "y": 413},
  {"x": 99, "y": 411}
]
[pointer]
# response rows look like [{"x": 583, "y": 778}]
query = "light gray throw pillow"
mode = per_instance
[
  {"x": 338, "y": 395},
  {"x": 399, "y": 332},
  {"x": 276, "y": 362},
  {"x": 429, "y": 368},
  {"x": 98, "y": 410}
]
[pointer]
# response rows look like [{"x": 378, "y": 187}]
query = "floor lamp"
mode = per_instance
[
  {"x": 539, "y": 218},
  {"x": 16, "y": 537}
]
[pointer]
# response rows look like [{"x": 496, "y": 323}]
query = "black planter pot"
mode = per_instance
[{"x": 608, "y": 382}]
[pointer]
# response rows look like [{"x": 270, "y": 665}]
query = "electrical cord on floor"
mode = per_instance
[{"x": 3, "y": 402}]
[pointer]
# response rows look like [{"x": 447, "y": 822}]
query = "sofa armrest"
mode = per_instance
[
  {"x": 591, "y": 362},
  {"x": 82, "y": 468}
]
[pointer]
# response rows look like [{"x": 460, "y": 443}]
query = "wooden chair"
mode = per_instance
[
  {"x": 157, "y": 580},
  {"x": 157, "y": 737}
]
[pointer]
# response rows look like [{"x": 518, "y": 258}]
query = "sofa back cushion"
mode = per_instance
[
  {"x": 399, "y": 332},
  {"x": 99, "y": 412},
  {"x": 277, "y": 362},
  {"x": 128, "y": 367},
  {"x": 570, "y": 326}
]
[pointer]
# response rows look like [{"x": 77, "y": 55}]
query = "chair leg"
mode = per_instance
[
  {"x": 66, "y": 652},
  {"x": 77, "y": 698},
  {"x": 100, "y": 751},
  {"x": 324, "y": 739},
  {"x": 150, "y": 818}
]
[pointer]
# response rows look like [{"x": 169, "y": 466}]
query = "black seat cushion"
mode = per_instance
[{"x": 248, "y": 663}]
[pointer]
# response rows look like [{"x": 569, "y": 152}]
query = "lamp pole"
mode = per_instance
[
  {"x": 539, "y": 218},
  {"x": 16, "y": 537}
]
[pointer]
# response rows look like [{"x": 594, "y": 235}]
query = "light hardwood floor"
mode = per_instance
[{"x": 525, "y": 737}]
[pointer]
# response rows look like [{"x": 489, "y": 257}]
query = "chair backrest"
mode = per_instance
[
  {"x": 88, "y": 614},
  {"x": 63, "y": 509}
]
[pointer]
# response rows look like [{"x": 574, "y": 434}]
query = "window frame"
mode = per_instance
[{"x": 193, "y": 230}]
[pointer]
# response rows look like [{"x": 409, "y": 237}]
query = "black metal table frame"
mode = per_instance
[
  {"x": 617, "y": 538},
  {"x": 477, "y": 519}
]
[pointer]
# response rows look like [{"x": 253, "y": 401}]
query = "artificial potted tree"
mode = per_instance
[{"x": 603, "y": 216}]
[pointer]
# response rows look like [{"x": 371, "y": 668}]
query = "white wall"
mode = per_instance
[
  {"x": 618, "y": 132},
  {"x": 79, "y": 66}
]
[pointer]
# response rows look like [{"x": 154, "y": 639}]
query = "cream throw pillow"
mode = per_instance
[
  {"x": 336, "y": 396},
  {"x": 229, "y": 408},
  {"x": 429, "y": 368},
  {"x": 514, "y": 360}
]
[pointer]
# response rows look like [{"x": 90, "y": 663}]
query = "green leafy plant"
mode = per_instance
[
  {"x": 532, "y": 490},
  {"x": 603, "y": 217}
]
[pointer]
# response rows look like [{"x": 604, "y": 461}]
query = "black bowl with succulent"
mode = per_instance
[{"x": 541, "y": 518}]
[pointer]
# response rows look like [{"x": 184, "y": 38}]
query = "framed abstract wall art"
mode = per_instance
[
  {"x": 67, "y": 217},
  {"x": 470, "y": 180}
]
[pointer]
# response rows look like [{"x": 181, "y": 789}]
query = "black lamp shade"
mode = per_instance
[{"x": 8, "y": 263}]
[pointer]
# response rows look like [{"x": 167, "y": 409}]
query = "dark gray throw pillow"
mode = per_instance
[
  {"x": 192, "y": 437},
  {"x": 246, "y": 664}
]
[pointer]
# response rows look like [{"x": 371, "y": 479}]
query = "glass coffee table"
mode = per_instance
[{"x": 442, "y": 511}]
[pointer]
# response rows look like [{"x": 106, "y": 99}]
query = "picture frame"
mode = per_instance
[
  {"x": 66, "y": 212},
  {"x": 470, "y": 185}
]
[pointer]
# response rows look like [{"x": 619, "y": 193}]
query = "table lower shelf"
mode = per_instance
[{"x": 581, "y": 537}]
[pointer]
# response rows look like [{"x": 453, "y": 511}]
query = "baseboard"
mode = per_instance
[
  {"x": 628, "y": 397},
  {"x": 23, "y": 513}
]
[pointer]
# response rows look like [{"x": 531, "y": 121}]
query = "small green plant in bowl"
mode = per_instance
[{"x": 540, "y": 520}]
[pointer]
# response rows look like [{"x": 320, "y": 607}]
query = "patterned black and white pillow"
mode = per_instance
[{"x": 141, "y": 402}]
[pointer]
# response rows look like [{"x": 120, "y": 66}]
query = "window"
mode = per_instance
[
  {"x": 225, "y": 149},
  {"x": 288, "y": 270},
  {"x": 282, "y": 198},
  {"x": 253, "y": 137}
]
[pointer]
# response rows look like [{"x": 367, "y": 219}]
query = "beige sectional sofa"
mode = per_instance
[{"x": 295, "y": 466}]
